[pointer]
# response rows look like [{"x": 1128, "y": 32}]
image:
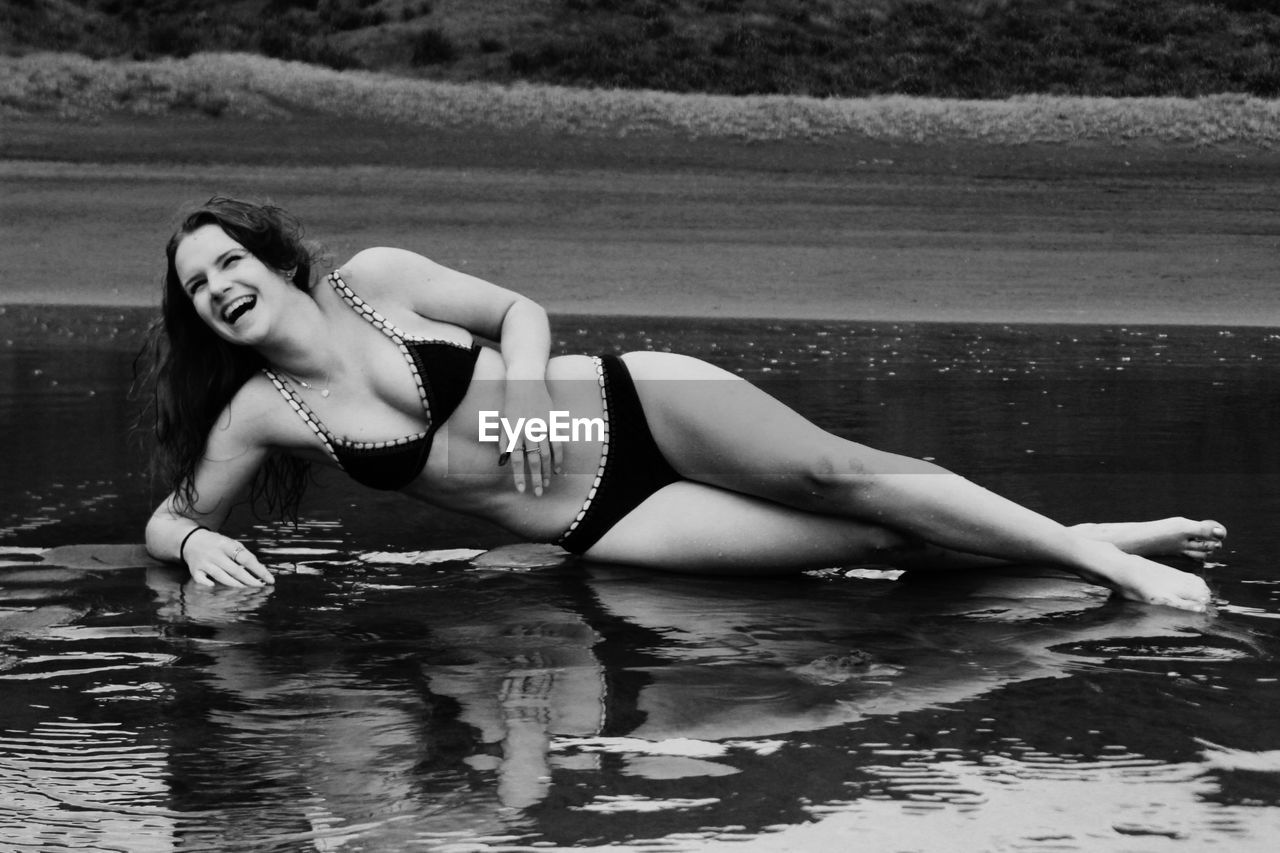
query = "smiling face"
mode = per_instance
[{"x": 231, "y": 290}]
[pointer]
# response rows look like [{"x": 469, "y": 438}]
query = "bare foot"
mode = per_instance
[
  {"x": 1154, "y": 583},
  {"x": 1139, "y": 579},
  {"x": 1167, "y": 537}
]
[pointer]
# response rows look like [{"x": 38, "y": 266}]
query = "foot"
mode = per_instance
[
  {"x": 1168, "y": 537},
  {"x": 1139, "y": 579},
  {"x": 1152, "y": 583}
]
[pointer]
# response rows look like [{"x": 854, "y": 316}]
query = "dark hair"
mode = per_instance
[{"x": 195, "y": 373}]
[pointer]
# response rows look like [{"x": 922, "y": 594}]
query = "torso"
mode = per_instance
[{"x": 380, "y": 403}]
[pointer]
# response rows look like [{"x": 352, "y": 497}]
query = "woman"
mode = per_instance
[{"x": 375, "y": 370}]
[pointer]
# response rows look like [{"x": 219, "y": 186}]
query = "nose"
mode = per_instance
[{"x": 219, "y": 284}]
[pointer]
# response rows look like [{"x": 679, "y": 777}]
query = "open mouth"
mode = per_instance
[{"x": 238, "y": 308}]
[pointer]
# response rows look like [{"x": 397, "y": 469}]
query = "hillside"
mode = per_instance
[{"x": 942, "y": 48}]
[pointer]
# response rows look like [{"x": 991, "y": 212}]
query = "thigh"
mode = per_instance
[
  {"x": 719, "y": 429},
  {"x": 693, "y": 527}
]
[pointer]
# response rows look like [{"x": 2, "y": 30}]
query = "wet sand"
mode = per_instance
[{"x": 644, "y": 225}]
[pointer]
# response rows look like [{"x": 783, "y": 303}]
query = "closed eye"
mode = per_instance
[{"x": 224, "y": 262}]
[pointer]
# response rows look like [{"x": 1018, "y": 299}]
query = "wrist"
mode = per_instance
[{"x": 182, "y": 547}]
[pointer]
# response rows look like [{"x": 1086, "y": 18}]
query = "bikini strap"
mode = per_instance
[
  {"x": 304, "y": 412},
  {"x": 365, "y": 310},
  {"x": 382, "y": 324}
]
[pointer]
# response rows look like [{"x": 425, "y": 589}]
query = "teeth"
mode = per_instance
[{"x": 235, "y": 309}]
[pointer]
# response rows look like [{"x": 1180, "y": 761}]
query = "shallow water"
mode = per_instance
[{"x": 399, "y": 689}]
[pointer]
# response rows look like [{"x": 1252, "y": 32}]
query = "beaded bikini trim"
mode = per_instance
[
  {"x": 604, "y": 454},
  {"x": 365, "y": 310},
  {"x": 402, "y": 341},
  {"x": 369, "y": 313}
]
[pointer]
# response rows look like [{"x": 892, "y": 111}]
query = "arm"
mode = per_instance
[
  {"x": 517, "y": 323},
  {"x": 174, "y": 533}
]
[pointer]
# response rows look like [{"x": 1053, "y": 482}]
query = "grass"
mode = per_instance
[
  {"x": 249, "y": 86},
  {"x": 825, "y": 48}
]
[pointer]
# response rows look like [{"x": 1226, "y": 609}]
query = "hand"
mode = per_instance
[
  {"x": 181, "y": 599},
  {"x": 216, "y": 559},
  {"x": 532, "y": 462}
]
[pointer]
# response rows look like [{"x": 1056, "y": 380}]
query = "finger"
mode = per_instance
[
  {"x": 240, "y": 571},
  {"x": 536, "y": 468},
  {"x": 517, "y": 469},
  {"x": 255, "y": 567},
  {"x": 201, "y": 578},
  {"x": 558, "y": 449},
  {"x": 219, "y": 574},
  {"x": 238, "y": 567},
  {"x": 243, "y": 576},
  {"x": 235, "y": 575},
  {"x": 547, "y": 464}
]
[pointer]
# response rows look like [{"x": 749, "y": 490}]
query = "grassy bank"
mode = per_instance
[
  {"x": 247, "y": 86},
  {"x": 824, "y": 48}
]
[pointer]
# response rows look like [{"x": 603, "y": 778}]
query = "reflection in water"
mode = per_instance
[{"x": 401, "y": 689}]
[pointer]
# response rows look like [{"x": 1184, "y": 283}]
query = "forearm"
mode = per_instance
[
  {"x": 526, "y": 340},
  {"x": 210, "y": 556},
  {"x": 166, "y": 532}
]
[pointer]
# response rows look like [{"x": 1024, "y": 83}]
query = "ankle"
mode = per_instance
[{"x": 1096, "y": 560}]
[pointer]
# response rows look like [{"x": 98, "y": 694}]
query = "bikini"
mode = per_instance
[
  {"x": 442, "y": 371},
  {"x": 631, "y": 468}
]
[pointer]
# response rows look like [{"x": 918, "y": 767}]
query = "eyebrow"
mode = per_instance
[{"x": 186, "y": 285}]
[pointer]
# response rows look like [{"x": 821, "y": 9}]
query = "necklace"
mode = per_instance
[{"x": 324, "y": 391}]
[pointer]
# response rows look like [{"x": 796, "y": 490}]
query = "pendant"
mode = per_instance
[{"x": 324, "y": 392}]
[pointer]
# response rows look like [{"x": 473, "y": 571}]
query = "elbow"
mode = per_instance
[
  {"x": 152, "y": 539},
  {"x": 157, "y": 536},
  {"x": 525, "y": 308}
]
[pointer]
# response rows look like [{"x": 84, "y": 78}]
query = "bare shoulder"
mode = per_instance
[
  {"x": 384, "y": 271},
  {"x": 258, "y": 417}
]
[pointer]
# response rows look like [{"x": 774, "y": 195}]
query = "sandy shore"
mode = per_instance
[{"x": 1087, "y": 233}]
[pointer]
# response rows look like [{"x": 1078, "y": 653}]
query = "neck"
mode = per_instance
[{"x": 303, "y": 346}]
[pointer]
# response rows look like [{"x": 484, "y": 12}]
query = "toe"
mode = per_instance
[{"x": 1213, "y": 530}]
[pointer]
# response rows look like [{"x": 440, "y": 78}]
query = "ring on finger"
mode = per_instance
[{"x": 235, "y": 555}]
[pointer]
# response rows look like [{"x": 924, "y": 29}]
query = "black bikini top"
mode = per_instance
[{"x": 442, "y": 371}]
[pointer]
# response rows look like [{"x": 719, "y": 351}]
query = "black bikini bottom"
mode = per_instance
[{"x": 633, "y": 467}]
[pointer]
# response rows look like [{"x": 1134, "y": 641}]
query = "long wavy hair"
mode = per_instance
[{"x": 194, "y": 373}]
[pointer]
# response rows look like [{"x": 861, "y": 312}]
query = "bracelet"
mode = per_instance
[{"x": 183, "y": 546}]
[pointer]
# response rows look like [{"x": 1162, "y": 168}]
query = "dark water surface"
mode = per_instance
[{"x": 398, "y": 689}]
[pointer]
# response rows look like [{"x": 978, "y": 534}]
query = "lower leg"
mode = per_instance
[
  {"x": 944, "y": 509},
  {"x": 1166, "y": 537}
]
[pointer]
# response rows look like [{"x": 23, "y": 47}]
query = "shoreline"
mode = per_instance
[
  {"x": 35, "y": 324},
  {"x": 1140, "y": 233}
]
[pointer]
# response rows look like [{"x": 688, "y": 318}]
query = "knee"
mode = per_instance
[
  {"x": 840, "y": 479},
  {"x": 841, "y": 470},
  {"x": 831, "y": 479},
  {"x": 905, "y": 552}
]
